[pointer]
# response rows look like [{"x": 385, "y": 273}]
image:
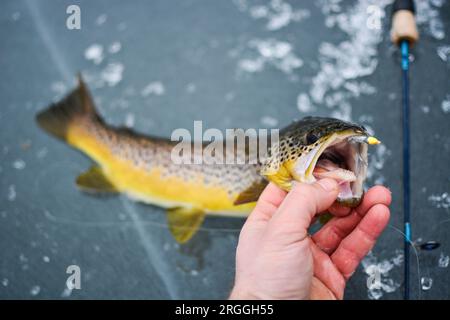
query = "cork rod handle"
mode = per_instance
[{"x": 403, "y": 22}]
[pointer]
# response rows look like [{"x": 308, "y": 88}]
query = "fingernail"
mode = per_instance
[{"x": 328, "y": 184}]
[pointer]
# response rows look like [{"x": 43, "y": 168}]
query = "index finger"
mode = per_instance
[
  {"x": 268, "y": 203},
  {"x": 331, "y": 234},
  {"x": 302, "y": 203},
  {"x": 355, "y": 246}
]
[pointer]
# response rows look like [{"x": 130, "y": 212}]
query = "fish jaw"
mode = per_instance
[
  {"x": 350, "y": 175},
  {"x": 311, "y": 166},
  {"x": 282, "y": 177}
]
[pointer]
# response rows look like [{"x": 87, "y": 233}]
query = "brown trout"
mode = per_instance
[{"x": 141, "y": 167}]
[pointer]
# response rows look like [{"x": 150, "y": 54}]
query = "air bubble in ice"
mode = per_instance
[
  {"x": 269, "y": 121},
  {"x": 115, "y": 47},
  {"x": 12, "y": 193},
  {"x": 445, "y": 105},
  {"x": 153, "y": 88},
  {"x": 443, "y": 260},
  {"x": 34, "y": 291},
  {"x": 426, "y": 283},
  {"x": 304, "y": 104},
  {"x": 101, "y": 19},
  {"x": 112, "y": 74},
  {"x": 94, "y": 53},
  {"x": 19, "y": 164},
  {"x": 129, "y": 120}
]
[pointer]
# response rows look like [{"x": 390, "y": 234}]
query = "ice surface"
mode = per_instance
[
  {"x": 59, "y": 87},
  {"x": 16, "y": 16},
  {"x": 229, "y": 96},
  {"x": 121, "y": 26},
  {"x": 304, "y": 104},
  {"x": 112, "y": 74},
  {"x": 12, "y": 193},
  {"x": 101, "y": 19},
  {"x": 67, "y": 292},
  {"x": 194, "y": 273},
  {"x": 443, "y": 260},
  {"x": 129, "y": 120},
  {"x": 342, "y": 64},
  {"x": 427, "y": 17},
  {"x": 191, "y": 88},
  {"x": 444, "y": 53},
  {"x": 34, "y": 291},
  {"x": 19, "y": 164},
  {"x": 94, "y": 53},
  {"x": 153, "y": 88},
  {"x": 277, "y": 13},
  {"x": 378, "y": 157},
  {"x": 378, "y": 280},
  {"x": 445, "y": 105},
  {"x": 279, "y": 54},
  {"x": 251, "y": 65},
  {"x": 114, "y": 47},
  {"x": 440, "y": 200},
  {"x": 425, "y": 109},
  {"x": 269, "y": 121},
  {"x": 426, "y": 283},
  {"x": 41, "y": 153},
  {"x": 166, "y": 246}
]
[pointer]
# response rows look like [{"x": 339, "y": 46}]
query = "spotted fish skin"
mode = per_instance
[
  {"x": 317, "y": 126},
  {"x": 153, "y": 177},
  {"x": 141, "y": 166}
]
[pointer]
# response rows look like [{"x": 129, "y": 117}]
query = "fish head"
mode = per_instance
[{"x": 314, "y": 148}]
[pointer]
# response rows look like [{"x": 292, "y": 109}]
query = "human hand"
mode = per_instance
[{"x": 277, "y": 259}]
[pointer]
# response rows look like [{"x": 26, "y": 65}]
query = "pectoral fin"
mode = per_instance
[
  {"x": 252, "y": 193},
  {"x": 94, "y": 180},
  {"x": 184, "y": 222}
]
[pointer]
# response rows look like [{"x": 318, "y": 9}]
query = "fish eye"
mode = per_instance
[{"x": 311, "y": 138}]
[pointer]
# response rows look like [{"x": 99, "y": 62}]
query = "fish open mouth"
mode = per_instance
[
  {"x": 314, "y": 148},
  {"x": 343, "y": 159}
]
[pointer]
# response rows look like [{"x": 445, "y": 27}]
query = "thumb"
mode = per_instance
[{"x": 304, "y": 201}]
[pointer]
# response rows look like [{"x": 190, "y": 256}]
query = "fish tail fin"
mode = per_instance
[{"x": 75, "y": 110}]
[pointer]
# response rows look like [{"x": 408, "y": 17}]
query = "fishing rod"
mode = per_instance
[{"x": 404, "y": 34}]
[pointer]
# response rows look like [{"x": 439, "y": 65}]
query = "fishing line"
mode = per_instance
[
  {"x": 415, "y": 252},
  {"x": 93, "y": 224}
]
